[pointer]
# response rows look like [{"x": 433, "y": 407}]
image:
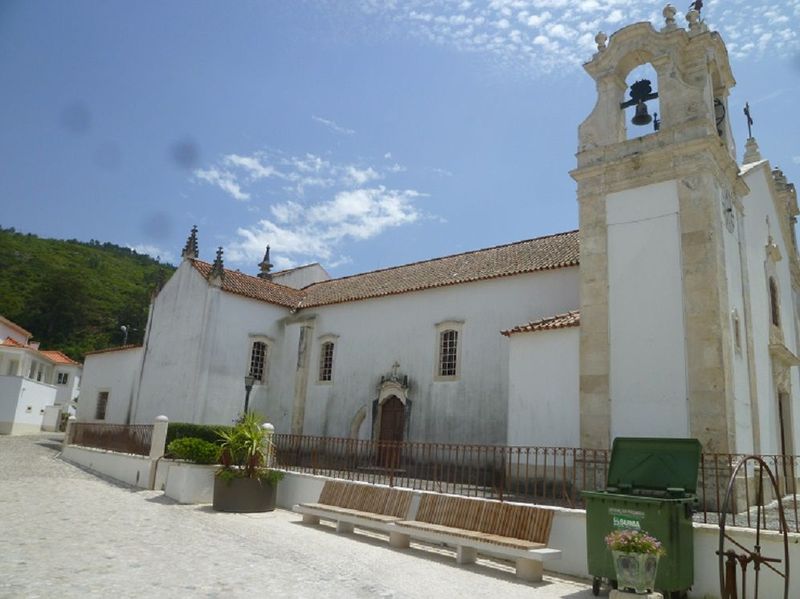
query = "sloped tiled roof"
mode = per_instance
[
  {"x": 559, "y": 321},
  {"x": 542, "y": 253},
  {"x": 58, "y": 357},
  {"x": 12, "y": 341},
  {"x": 253, "y": 287}
]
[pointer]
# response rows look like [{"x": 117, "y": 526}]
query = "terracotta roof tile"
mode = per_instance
[
  {"x": 253, "y": 287},
  {"x": 13, "y": 342},
  {"x": 559, "y": 321},
  {"x": 542, "y": 253},
  {"x": 58, "y": 357},
  {"x": 111, "y": 349}
]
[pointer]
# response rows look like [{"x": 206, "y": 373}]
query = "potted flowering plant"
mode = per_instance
[
  {"x": 636, "y": 557},
  {"x": 245, "y": 482}
]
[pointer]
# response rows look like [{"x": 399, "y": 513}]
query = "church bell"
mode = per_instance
[{"x": 642, "y": 117}]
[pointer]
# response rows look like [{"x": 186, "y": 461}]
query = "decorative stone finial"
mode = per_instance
[
  {"x": 695, "y": 24},
  {"x": 751, "y": 152},
  {"x": 601, "y": 39},
  {"x": 217, "y": 269},
  {"x": 779, "y": 178},
  {"x": 266, "y": 266},
  {"x": 190, "y": 249},
  {"x": 669, "y": 13}
]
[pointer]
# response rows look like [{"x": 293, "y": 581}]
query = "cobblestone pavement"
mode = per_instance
[{"x": 67, "y": 533}]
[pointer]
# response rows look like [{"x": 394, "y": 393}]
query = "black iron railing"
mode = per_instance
[{"x": 134, "y": 438}]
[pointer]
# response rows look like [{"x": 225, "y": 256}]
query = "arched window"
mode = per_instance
[
  {"x": 775, "y": 315},
  {"x": 326, "y": 361},
  {"x": 258, "y": 361}
]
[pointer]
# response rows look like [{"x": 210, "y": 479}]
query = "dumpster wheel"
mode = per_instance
[
  {"x": 736, "y": 553},
  {"x": 597, "y": 583}
]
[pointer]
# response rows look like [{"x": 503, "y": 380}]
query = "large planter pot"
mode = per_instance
[
  {"x": 636, "y": 571},
  {"x": 243, "y": 495}
]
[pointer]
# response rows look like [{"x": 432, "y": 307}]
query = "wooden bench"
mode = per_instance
[
  {"x": 473, "y": 526},
  {"x": 352, "y": 504}
]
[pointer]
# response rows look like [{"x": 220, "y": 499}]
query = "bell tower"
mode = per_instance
[{"x": 655, "y": 294}]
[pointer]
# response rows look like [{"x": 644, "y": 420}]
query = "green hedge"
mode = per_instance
[{"x": 207, "y": 432}]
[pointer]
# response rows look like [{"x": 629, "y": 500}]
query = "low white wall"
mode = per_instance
[
  {"x": 23, "y": 415},
  {"x": 52, "y": 416},
  {"x": 132, "y": 469},
  {"x": 188, "y": 483}
]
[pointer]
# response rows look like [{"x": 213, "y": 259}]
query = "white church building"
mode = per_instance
[{"x": 671, "y": 311}]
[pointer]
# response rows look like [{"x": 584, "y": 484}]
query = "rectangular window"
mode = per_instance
[
  {"x": 326, "y": 361},
  {"x": 63, "y": 377},
  {"x": 258, "y": 359},
  {"x": 102, "y": 402},
  {"x": 448, "y": 353}
]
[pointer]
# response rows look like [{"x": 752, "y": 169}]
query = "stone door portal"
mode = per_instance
[{"x": 392, "y": 424}]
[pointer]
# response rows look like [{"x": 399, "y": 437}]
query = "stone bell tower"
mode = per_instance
[{"x": 655, "y": 295}]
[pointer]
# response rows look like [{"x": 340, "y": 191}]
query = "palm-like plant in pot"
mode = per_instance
[{"x": 245, "y": 483}]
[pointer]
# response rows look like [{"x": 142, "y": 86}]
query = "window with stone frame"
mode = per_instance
[
  {"x": 258, "y": 361},
  {"x": 102, "y": 404},
  {"x": 63, "y": 378},
  {"x": 448, "y": 353},
  {"x": 774, "y": 311},
  {"x": 326, "y": 362}
]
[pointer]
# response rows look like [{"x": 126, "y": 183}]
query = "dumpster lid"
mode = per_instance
[{"x": 654, "y": 463}]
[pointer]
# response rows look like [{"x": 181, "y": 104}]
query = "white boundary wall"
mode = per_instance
[{"x": 131, "y": 469}]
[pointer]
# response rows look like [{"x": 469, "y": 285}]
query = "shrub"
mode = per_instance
[
  {"x": 207, "y": 432},
  {"x": 195, "y": 450},
  {"x": 245, "y": 453}
]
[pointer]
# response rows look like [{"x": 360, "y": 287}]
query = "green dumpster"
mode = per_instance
[{"x": 652, "y": 485}]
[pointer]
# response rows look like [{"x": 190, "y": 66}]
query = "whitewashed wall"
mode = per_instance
[
  {"x": 112, "y": 371},
  {"x": 22, "y": 404},
  {"x": 198, "y": 352},
  {"x": 374, "y": 334},
  {"x": 7, "y": 331},
  {"x": 66, "y": 393},
  {"x": 735, "y": 261},
  {"x": 302, "y": 276},
  {"x": 543, "y": 394},
  {"x": 759, "y": 205},
  {"x": 648, "y": 380}
]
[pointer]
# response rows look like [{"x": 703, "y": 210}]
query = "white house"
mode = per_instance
[
  {"x": 36, "y": 386},
  {"x": 681, "y": 319}
]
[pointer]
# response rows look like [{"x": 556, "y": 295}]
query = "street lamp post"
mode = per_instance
[{"x": 248, "y": 386}]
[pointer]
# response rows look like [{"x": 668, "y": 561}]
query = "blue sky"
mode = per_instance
[{"x": 360, "y": 134}]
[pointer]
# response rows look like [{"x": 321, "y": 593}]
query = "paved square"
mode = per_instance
[{"x": 67, "y": 533}]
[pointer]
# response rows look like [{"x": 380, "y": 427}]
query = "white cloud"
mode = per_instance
[
  {"x": 251, "y": 164},
  {"x": 360, "y": 176},
  {"x": 333, "y": 126},
  {"x": 223, "y": 179},
  {"x": 346, "y": 205},
  {"x": 764, "y": 26},
  {"x": 316, "y": 232}
]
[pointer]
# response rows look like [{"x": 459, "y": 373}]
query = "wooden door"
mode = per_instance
[{"x": 393, "y": 420}]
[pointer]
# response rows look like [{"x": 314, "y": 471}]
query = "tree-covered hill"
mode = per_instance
[{"x": 75, "y": 296}]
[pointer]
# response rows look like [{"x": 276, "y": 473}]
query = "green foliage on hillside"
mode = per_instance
[{"x": 74, "y": 296}]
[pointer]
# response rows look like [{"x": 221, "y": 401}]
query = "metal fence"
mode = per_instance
[
  {"x": 135, "y": 438},
  {"x": 543, "y": 475}
]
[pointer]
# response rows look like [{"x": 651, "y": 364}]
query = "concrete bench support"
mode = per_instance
[
  {"x": 310, "y": 519},
  {"x": 398, "y": 540},
  {"x": 529, "y": 569},
  {"x": 343, "y": 528},
  {"x": 466, "y": 555}
]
